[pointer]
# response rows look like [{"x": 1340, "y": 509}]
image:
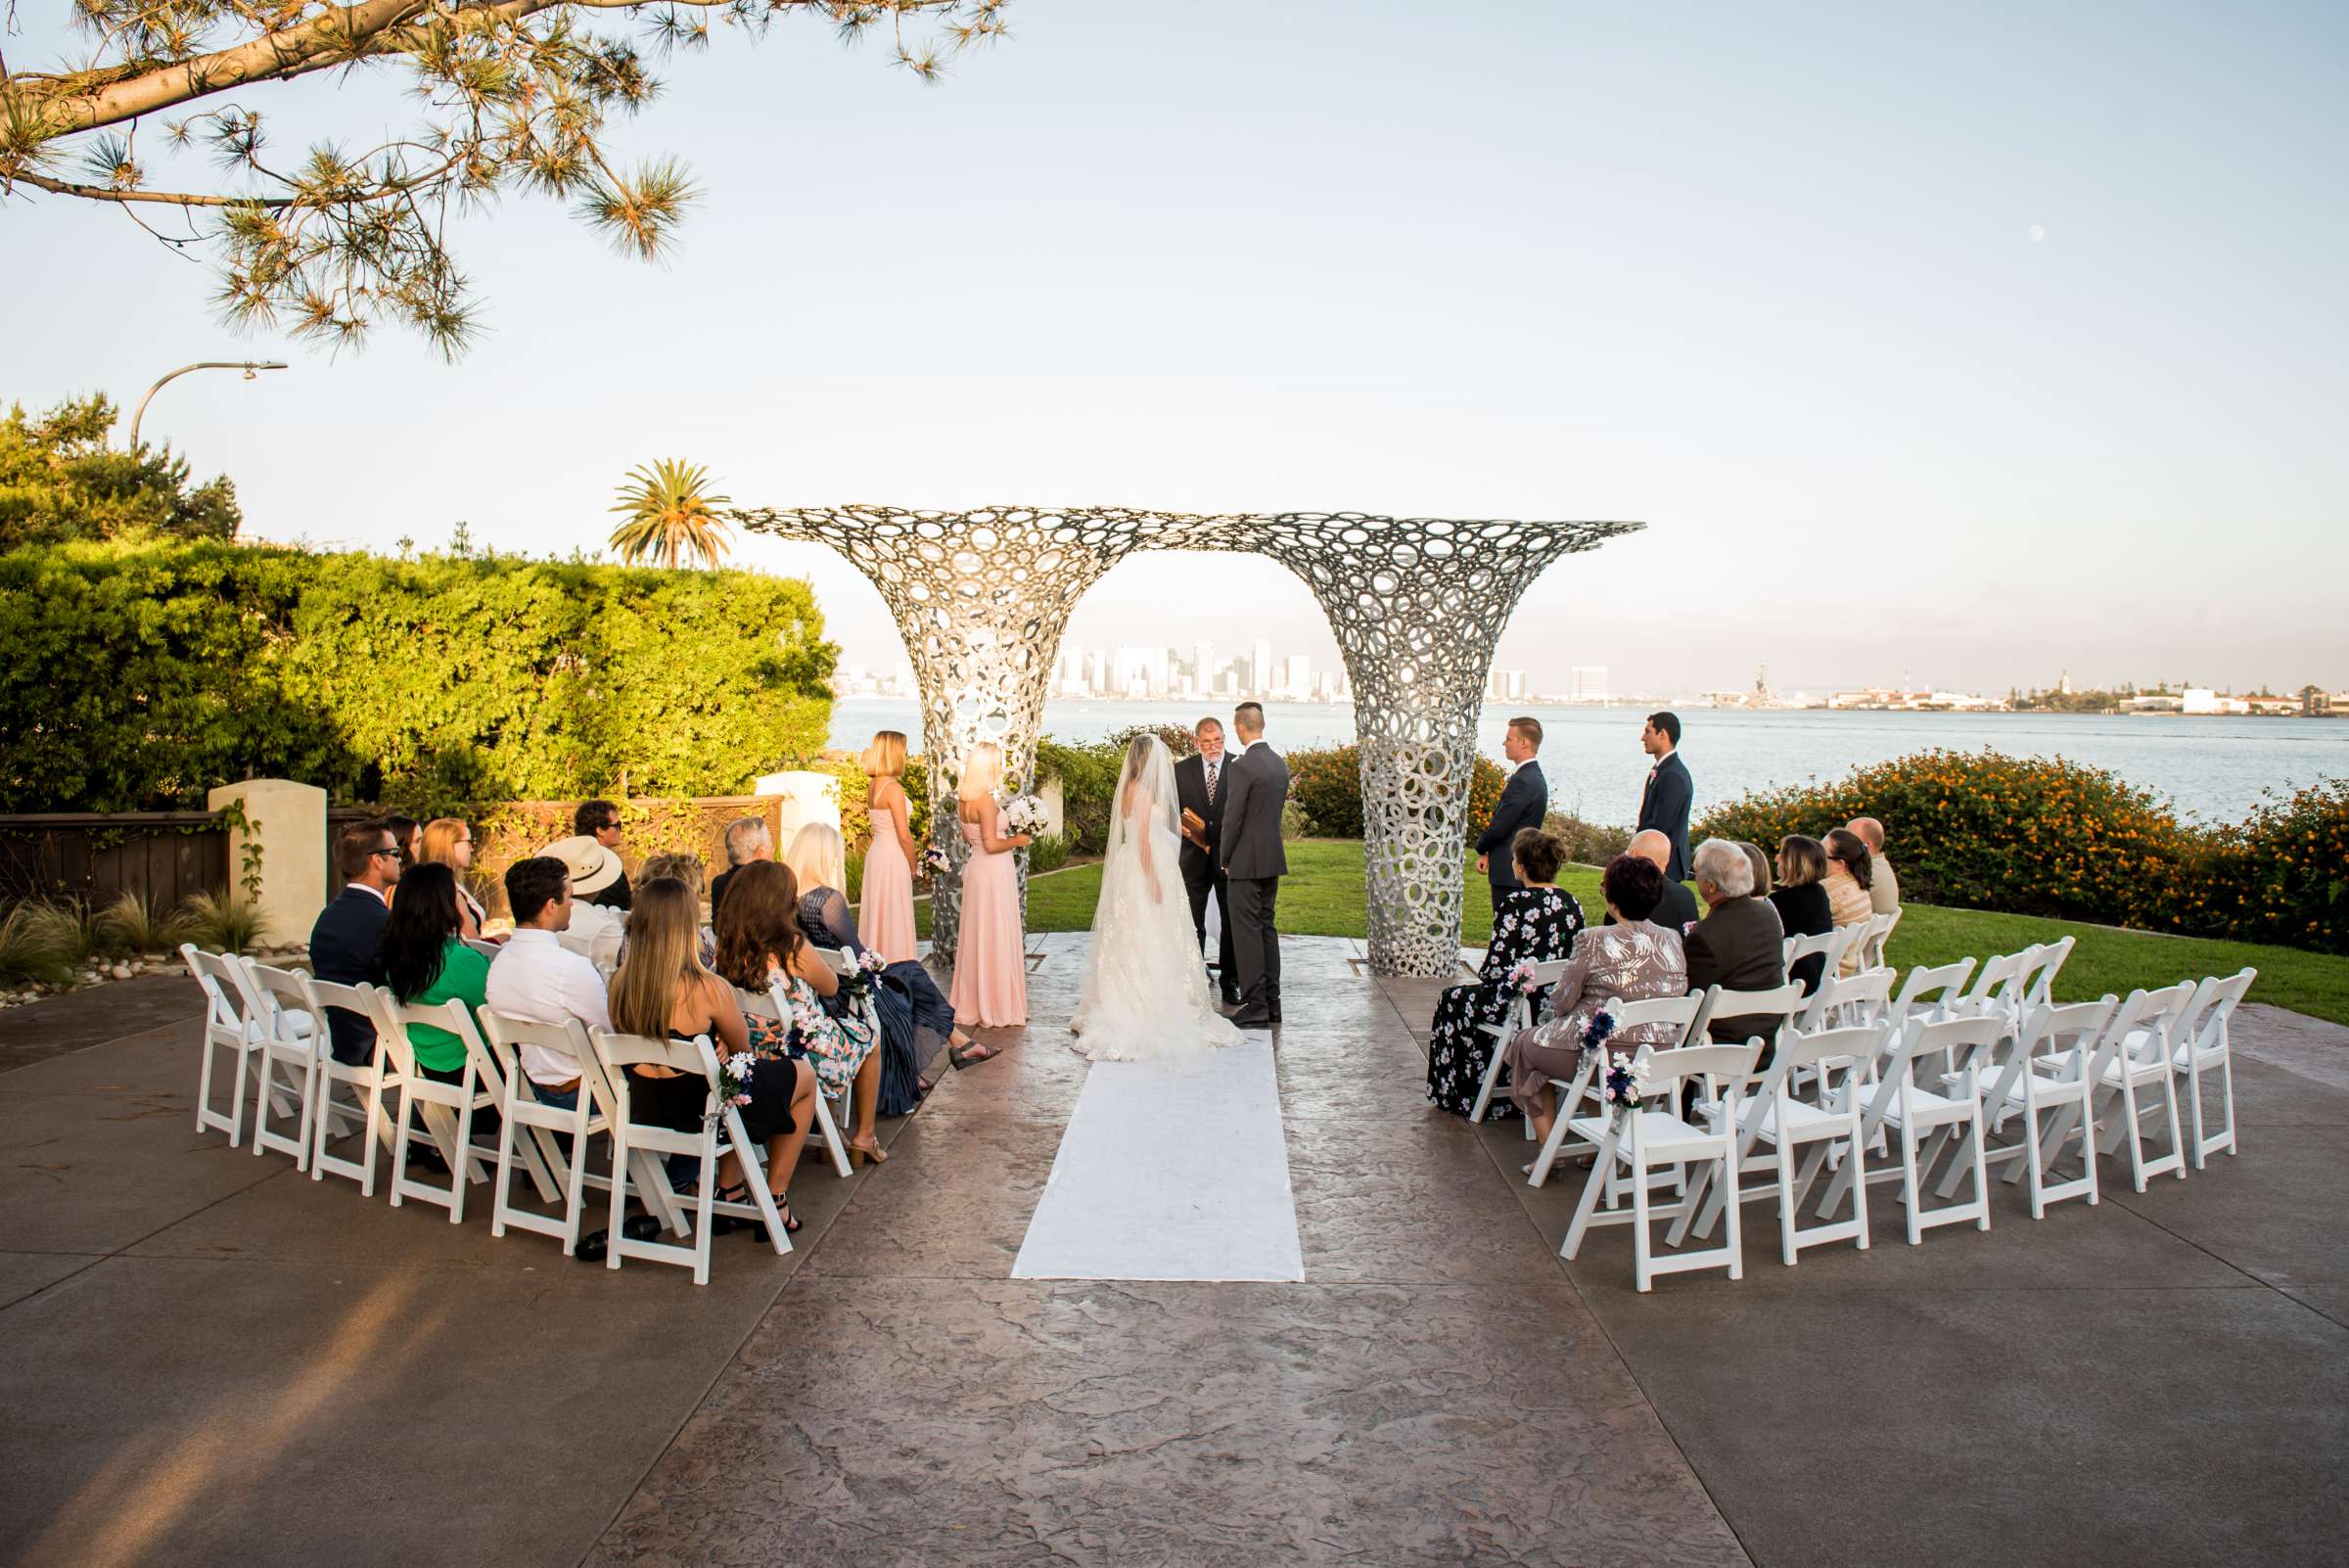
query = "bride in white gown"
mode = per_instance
[{"x": 1146, "y": 993}]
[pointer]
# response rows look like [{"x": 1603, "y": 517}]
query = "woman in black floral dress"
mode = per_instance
[{"x": 1536, "y": 922}]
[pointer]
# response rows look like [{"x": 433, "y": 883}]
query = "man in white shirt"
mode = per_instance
[
  {"x": 535, "y": 977},
  {"x": 1883, "y": 888}
]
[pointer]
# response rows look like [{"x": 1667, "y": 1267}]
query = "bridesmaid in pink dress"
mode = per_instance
[
  {"x": 884, "y": 919},
  {"x": 990, "y": 962}
]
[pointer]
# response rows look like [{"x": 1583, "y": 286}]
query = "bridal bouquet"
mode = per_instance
[
  {"x": 734, "y": 1084},
  {"x": 936, "y": 862},
  {"x": 1024, "y": 813}
]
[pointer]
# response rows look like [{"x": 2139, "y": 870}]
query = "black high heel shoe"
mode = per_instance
[{"x": 740, "y": 1192}]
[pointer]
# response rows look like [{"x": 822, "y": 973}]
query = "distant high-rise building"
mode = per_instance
[
  {"x": 1259, "y": 667},
  {"x": 1590, "y": 683},
  {"x": 1203, "y": 668}
]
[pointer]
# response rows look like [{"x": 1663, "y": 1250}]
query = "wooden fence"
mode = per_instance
[{"x": 164, "y": 856}]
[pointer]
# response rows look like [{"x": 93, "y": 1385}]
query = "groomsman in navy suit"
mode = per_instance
[
  {"x": 1664, "y": 802},
  {"x": 1524, "y": 803}
]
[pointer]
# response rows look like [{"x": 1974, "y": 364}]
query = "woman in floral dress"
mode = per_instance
[
  {"x": 1632, "y": 959},
  {"x": 759, "y": 943},
  {"x": 1535, "y": 923}
]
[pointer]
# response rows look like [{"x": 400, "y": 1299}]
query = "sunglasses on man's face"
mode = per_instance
[{"x": 390, "y": 850}]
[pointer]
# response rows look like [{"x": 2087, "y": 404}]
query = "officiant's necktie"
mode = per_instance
[{"x": 1213, "y": 772}]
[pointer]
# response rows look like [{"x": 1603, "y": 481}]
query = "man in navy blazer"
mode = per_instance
[
  {"x": 1524, "y": 804},
  {"x": 347, "y": 944},
  {"x": 1664, "y": 802}
]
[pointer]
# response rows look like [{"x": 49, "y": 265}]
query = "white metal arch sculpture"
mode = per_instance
[{"x": 1417, "y": 605}]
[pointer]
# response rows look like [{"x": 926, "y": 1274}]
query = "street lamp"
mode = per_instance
[{"x": 251, "y": 367}]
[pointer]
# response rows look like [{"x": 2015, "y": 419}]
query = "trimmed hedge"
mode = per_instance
[
  {"x": 2029, "y": 836},
  {"x": 136, "y": 674}
]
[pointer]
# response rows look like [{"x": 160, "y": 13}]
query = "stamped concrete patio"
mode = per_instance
[{"x": 208, "y": 1358}]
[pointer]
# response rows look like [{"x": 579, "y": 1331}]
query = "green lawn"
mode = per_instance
[{"x": 1324, "y": 895}]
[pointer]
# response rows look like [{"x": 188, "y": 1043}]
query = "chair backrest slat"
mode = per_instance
[{"x": 1940, "y": 986}]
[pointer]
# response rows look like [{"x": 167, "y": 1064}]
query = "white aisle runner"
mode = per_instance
[{"x": 1172, "y": 1170}]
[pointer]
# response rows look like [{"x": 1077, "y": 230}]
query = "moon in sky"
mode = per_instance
[{"x": 2037, "y": 233}]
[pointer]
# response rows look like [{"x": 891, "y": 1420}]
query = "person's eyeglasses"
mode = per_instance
[{"x": 393, "y": 853}]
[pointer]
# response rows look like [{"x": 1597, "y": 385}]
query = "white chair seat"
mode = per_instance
[
  {"x": 2048, "y": 1084},
  {"x": 1660, "y": 1131},
  {"x": 1801, "y": 1120},
  {"x": 300, "y": 1022}
]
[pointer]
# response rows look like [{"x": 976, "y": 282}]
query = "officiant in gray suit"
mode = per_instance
[{"x": 1256, "y": 786}]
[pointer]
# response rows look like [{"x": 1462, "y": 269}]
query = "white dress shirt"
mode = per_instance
[{"x": 535, "y": 977}]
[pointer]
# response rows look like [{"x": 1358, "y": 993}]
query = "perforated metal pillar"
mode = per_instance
[{"x": 1417, "y": 605}]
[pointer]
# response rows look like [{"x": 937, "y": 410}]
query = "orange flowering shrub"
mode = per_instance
[
  {"x": 2022, "y": 835},
  {"x": 2282, "y": 876}
]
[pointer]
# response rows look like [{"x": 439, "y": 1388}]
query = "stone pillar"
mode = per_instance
[
  {"x": 803, "y": 796},
  {"x": 286, "y": 822}
]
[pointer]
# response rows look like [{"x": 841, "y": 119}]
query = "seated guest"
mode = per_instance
[
  {"x": 447, "y": 841},
  {"x": 758, "y": 945},
  {"x": 595, "y": 880},
  {"x": 916, "y": 1019},
  {"x": 408, "y": 834},
  {"x": 595, "y": 926},
  {"x": 1739, "y": 945},
  {"x": 1675, "y": 910},
  {"x": 426, "y": 962},
  {"x": 539, "y": 981},
  {"x": 748, "y": 839},
  {"x": 663, "y": 991},
  {"x": 1883, "y": 888},
  {"x": 1849, "y": 874},
  {"x": 1761, "y": 864},
  {"x": 1802, "y": 903},
  {"x": 346, "y": 941},
  {"x": 1631, "y": 959},
  {"x": 1532, "y": 919},
  {"x": 686, "y": 869}
]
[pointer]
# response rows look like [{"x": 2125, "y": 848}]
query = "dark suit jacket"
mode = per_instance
[
  {"x": 619, "y": 896},
  {"x": 1256, "y": 786},
  {"x": 1676, "y": 911},
  {"x": 347, "y": 947},
  {"x": 1190, "y": 794},
  {"x": 1739, "y": 947},
  {"x": 1664, "y": 807},
  {"x": 717, "y": 888},
  {"x": 1524, "y": 803}
]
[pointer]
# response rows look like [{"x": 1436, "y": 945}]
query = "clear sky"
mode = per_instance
[{"x": 1976, "y": 342}]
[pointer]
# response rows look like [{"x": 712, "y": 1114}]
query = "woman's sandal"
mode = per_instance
[
  {"x": 869, "y": 1153},
  {"x": 975, "y": 1052},
  {"x": 740, "y": 1192}
]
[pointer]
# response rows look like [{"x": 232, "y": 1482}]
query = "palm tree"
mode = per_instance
[{"x": 668, "y": 518}]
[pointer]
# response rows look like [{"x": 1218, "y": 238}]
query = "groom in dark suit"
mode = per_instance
[
  {"x": 1256, "y": 786},
  {"x": 1524, "y": 804},
  {"x": 1200, "y": 792}
]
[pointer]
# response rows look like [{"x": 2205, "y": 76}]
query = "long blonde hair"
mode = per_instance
[
  {"x": 885, "y": 758},
  {"x": 440, "y": 845},
  {"x": 982, "y": 772},
  {"x": 663, "y": 955},
  {"x": 818, "y": 859}
]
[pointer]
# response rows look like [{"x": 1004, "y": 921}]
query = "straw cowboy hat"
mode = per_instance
[{"x": 593, "y": 868}]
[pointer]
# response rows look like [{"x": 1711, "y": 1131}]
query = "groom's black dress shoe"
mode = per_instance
[
  {"x": 1253, "y": 1020},
  {"x": 1231, "y": 998}
]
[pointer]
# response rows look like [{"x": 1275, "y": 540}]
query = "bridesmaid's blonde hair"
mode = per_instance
[
  {"x": 982, "y": 771},
  {"x": 818, "y": 859},
  {"x": 885, "y": 758}
]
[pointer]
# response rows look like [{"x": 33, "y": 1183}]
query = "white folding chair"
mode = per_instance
[
  {"x": 559, "y": 1137},
  {"x": 444, "y": 1109},
  {"x": 1827, "y": 945},
  {"x": 1930, "y": 992},
  {"x": 294, "y": 1040},
  {"x": 774, "y": 1005},
  {"x": 1682, "y": 1016},
  {"x": 1774, "y": 1009},
  {"x": 1872, "y": 936},
  {"x": 2047, "y": 963},
  {"x": 2045, "y": 1075},
  {"x": 1898, "y": 1102},
  {"x": 1781, "y": 1115},
  {"x": 483, "y": 945},
  {"x": 230, "y": 1025},
  {"x": 370, "y": 1081},
  {"x": 2203, "y": 1047},
  {"x": 1638, "y": 1142},
  {"x": 1520, "y": 1018},
  {"x": 2135, "y": 1071},
  {"x": 843, "y": 963},
  {"x": 721, "y": 1133},
  {"x": 1848, "y": 1001}
]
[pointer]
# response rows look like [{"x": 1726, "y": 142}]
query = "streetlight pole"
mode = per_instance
[{"x": 251, "y": 367}]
